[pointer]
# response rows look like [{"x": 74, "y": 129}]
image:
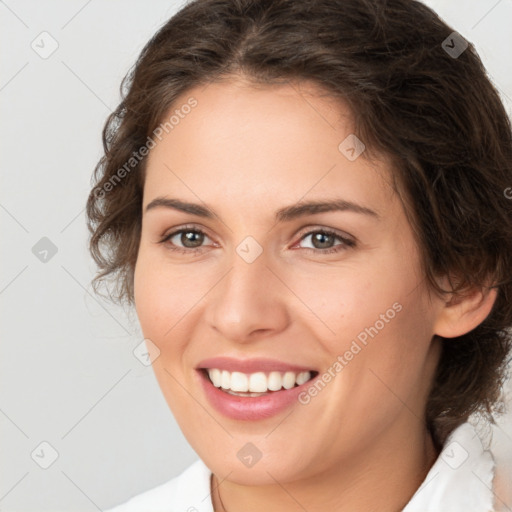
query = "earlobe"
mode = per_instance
[{"x": 462, "y": 314}]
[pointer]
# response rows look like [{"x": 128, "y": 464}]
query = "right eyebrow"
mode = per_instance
[{"x": 183, "y": 206}]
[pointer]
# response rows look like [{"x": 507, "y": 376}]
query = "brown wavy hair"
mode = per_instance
[{"x": 437, "y": 117}]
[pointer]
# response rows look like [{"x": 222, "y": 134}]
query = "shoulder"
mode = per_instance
[{"x": 187, "y": 492}]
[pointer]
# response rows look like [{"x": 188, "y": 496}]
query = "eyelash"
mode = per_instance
[{"x": 346, "y": 243}]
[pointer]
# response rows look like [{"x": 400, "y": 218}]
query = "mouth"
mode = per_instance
[
  {"x": 253, "y": 389},
  {"x": 258, "y": 383}
]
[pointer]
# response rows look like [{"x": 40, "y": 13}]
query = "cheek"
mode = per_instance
[
  {"x": 387, "y": 353},
  {"x": 344, "y": 301},
  {"x": 160, "y": 303},
  {"x": 163, "y": 308},
  {"x": 377, "y": 313},
  {"x": 163, "y": 294}
]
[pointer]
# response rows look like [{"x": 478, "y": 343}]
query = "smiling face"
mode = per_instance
[{"x": 249, "y": 275}]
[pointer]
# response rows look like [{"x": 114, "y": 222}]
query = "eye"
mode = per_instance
[
  {"x": 324, "y": 241},
  {"x": 185, "y": 240}
]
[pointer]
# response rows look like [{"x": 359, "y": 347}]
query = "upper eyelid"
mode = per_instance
[{"x": 178, "y": 230}]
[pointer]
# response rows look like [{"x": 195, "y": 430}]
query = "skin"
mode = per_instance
[{"x": 361, "y": 443}]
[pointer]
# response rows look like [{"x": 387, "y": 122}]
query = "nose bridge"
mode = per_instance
[
  {"x": 247, "y": 299},
  {"x": 244, "y": 279}
]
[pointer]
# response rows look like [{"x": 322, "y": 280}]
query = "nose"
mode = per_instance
[{"x": 249, "y": 302}]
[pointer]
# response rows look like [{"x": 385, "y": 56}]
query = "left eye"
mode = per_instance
[{"x": 324, "y": 239}]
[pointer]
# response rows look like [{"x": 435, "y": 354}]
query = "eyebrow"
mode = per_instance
[{"x": 282, "y": 215}]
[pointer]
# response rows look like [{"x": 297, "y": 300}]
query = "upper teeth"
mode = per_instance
[{"x": 257, "y": 382}]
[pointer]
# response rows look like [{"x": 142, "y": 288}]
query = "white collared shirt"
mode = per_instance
[{"x": 461, "y": 480}]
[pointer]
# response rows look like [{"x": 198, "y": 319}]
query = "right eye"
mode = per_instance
[{"x": 185, "y": 240}]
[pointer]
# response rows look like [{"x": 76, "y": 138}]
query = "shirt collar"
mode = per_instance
[{"x": 461, "y": 479}]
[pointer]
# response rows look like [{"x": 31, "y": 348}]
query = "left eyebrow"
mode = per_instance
[
  {"x": 282, "y": 215},
  {"x": 312, "y": 207}
]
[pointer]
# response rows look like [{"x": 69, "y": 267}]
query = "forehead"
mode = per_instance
[{"x": 271, "y": 144}]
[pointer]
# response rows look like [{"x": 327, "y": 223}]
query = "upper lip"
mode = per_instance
[{"x": 253, "y": 365}]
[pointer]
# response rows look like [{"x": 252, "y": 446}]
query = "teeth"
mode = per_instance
[
  {"x": 215, "y": 377},
  {"x": 303, "y": 377},
  {"x": 289, "y": 380},
  {"x": 275, "y": 381},
  {"x": 239, "y": 382},
  {"x": 225, "y": 380},
  {"x": 258, "y": 382}
]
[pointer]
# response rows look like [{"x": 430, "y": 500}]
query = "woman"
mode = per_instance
[{"x": 306, "y": 204}]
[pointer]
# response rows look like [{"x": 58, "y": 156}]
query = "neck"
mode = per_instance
[{"x": 382, "y": 479}]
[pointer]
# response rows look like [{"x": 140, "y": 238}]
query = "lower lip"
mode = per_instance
[{"x": 251, "y": 408}]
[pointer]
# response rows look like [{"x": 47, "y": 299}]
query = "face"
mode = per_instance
[{"x": 234, "y": 264}]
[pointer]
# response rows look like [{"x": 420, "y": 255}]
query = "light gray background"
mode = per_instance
[{"x": 68, "y": 375}]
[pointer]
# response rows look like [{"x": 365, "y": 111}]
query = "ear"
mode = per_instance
[{"x": 462, "y": 314}]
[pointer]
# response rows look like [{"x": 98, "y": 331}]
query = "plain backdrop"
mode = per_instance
[{"x": 69, "y": 378}]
